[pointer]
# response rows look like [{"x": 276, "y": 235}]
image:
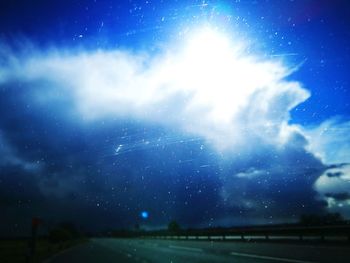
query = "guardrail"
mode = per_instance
[{"x": 298, "y": 233}]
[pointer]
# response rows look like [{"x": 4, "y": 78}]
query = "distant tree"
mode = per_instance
[
  {"x": 173, "y": 226},
  {"x": 333, "y": 218},
  {"x": 71, "y": 228},
  {"x": 58, "y": 234},
  {"x": 316, "y": 220},
  {"x": 63, "y": 232}
]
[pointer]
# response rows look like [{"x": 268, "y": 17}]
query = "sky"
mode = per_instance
[{"x": 210, "y": 113}]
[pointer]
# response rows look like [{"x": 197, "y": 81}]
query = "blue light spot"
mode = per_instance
[{"x": 144, "y": 214}]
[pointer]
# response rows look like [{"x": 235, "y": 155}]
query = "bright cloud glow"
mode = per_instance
[{"x": 209, "y": 86}]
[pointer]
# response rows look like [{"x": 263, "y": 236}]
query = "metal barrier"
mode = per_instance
[{"x": 296, "y": 233}]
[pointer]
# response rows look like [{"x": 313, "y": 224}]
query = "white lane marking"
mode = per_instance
[
  {"x": 269, "y": 258},
  {"x": 187, "y": 248}
]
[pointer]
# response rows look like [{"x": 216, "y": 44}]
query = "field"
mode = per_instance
[{"x": 16, "y": 250}]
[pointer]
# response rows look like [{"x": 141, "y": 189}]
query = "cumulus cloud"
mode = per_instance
[
  {"x": 209, "y": 86},
  {"x": 274, "y": 184},
  {"x": 333, "y": 186}
]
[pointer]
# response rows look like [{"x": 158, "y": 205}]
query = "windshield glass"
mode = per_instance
[{"x": 188, "y": 119}]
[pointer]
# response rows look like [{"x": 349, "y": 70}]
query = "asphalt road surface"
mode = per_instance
[{"x": 169, "y": 251}]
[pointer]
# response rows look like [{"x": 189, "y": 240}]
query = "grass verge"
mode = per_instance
[{"x": 16, "y": 251}]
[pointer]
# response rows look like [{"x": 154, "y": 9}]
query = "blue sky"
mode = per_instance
[{"x": 205, "y": 112}]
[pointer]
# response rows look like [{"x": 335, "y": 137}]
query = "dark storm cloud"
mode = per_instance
[
  {"x": 275, "y": 184},
  {"x": 335, "y": 174},
  {"x": 79, "y": 171},
  {"x": 340, "y": 165},
  {"x": 339, "y": 196},
  {"x": 18, "y": 186}
]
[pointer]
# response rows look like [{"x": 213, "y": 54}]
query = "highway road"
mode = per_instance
[{"x": 170, "y": 251}]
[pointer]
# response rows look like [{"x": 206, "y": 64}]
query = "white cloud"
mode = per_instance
[
  {"x": 334, "y": 187},
  {"x": 330, "y": 141},
  {"x": 209, "y": 86},
  {"x": 334, "y": 184}
]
